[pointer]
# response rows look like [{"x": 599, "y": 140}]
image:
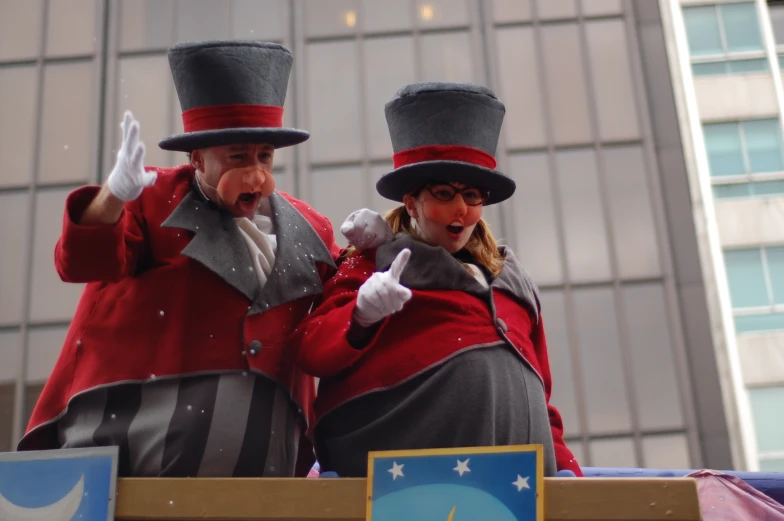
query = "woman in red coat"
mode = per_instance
[{"x": 436, "y": 338}]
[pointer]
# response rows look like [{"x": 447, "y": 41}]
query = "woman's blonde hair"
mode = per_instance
[{"x": 481, "y": 245}]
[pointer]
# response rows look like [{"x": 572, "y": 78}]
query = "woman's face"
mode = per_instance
[{"x": 446, "y": 214}]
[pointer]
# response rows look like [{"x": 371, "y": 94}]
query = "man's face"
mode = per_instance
[{"x": 236, "y": 176}]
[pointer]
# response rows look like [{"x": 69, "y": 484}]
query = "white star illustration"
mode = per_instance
[
  {"x": 462, "y": 466},
  {"x": 396, "y": 470},
  {"x": 521, "y": 483}
]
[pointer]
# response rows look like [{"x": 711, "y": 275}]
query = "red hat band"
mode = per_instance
[
  {"x": 218, "y": 117},
  {"x": 461, "y": 153}
]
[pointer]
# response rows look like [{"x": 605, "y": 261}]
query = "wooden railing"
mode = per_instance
[{"x": 344, "y": 499}]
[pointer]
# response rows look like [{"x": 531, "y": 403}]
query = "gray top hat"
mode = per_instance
[
  {"x": 444, "y": 132},
  {"x": 231, "y": 92}
]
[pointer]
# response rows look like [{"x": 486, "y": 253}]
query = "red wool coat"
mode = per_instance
[
  {"x": 170, "y": 293},
  {"x": 444, "y": 317}
]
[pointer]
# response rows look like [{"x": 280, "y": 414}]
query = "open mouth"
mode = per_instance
[
  {"x": 248, "y": 200},
  {"x": 454, "y": 229}
]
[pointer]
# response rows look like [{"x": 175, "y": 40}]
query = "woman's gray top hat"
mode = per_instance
[
  {"x": 231, "y": 92},
  {"x": 444, "y": 132}
]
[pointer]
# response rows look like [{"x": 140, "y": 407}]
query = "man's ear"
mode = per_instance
[
  {"x": 197, "y": 160},
  {"x": 410, "y": 204}
]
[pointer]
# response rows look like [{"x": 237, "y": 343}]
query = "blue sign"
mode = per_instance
[
  {"x": 58, "y": 485},
  {"x": 499, "y": 483}
]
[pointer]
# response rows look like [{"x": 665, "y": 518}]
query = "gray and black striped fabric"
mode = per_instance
[{"x": 227, "y": 425}]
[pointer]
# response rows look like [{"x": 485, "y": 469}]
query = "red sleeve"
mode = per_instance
[
  {"x": 97, "y": 252},
  {"x": 321, "y": 340},
  {"x": 564, "y": 458}
]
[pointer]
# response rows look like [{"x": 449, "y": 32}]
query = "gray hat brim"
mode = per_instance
[
  {"x": 409, "y": 178},
  {"x": 277, "y": 137}
]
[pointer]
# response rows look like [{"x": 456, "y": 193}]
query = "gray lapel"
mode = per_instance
[
  {"x": 217, "y": 243},
  {"x": 432, "y": 267},
  {"x": 515, "y": 280},
  {"x": 295, "y": 274},
  {"x": 429, "y": 267}
]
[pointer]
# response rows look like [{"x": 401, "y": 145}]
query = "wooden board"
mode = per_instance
[{"x": 238, "y": 499}]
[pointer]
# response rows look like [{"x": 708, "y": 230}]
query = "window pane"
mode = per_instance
[
  {"x": 43, "y": 348},
  {"x": 601, "y": 7},
  {"x": 552, "y": 9},
  {"x": 733, "y": 190},
  {"x": 336, "y": 192},
  {"x": 537, "y": 246},
  {"x": 71, "y": 27},
  {"x": 7, "y": 394},
  {"x": 766, "y": 406},
  {"x": 631, "y": 213},
  {"x": 666, "y": 452},
  {"x": 17, "y": 124},
  {"x": 520, "y": 92},
  {"x": 20, "y": 28},
  {"x": 259, "y": 19},
  {"x": 511, "y": 10},
  {"x": 612, "y": 78},
  {"x": 337, "y": 17},
  {"x": 389, "y": 65},
  {"x": 741, "y": 27},
  {"x": 763, "y": 143},
  {"x": 441, "y": 13},
  {"x": 9, "y": 355},
  {"x": 746, "y": 278},
  {"x": 767, "y": 188},
  {"x": 14, "y": 231},
  {"x": 333, "y": 91},
  {"x": 576, "y": 446},
  {"x": 581, "y": 206},
  {"x": 762, "y": 322},
  {"x": 775, "y": 259},
  {"x": 777, "y": 20},
  {"x": 772, "y": 465},
  {"x": 380, "y": 204},
  {"x": 146, "y": 24},
  {"x": 145, "y": 89},
  {"x": 447, "y": 57},
  {"x": 203, "y": 20},
  {"x": 709, "y": 69},
  {"x": 51, "y": 298},
  {"x": 652, "y": 359},
  {"x": 741, "y": 66},
  {"x": 600, "y": 357},
  {"x": 67, "y": 132},
  {"x": 564, "y": 395},
  {"x": 725, "y": 153},
  {"x": 616, "y": 452},
  {"x": 702, "y": 30},
  {"x": 566, "y": 84},
  {"x": 383, "y": 15}
]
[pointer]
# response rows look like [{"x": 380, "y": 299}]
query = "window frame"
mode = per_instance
[
  {"x": 747, "y": 177},
  {"x": 771, "y": 308},
  {"x": 727, "y": 56}
]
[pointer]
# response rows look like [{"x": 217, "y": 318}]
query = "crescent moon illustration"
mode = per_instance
[
  {"x": 63, "y": 510},
  {"x": 451, "y": 514}
]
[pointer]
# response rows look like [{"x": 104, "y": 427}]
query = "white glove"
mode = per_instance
[
  {"x": 381, "y": 295},
  {"x": 128, "y": 177},
  {"x": 366, "y": 229}
]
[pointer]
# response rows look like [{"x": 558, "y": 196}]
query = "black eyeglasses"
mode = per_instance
[{"x": 472, "y": 195}]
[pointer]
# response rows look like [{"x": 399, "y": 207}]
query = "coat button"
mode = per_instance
[
  {"x": 501, "y": 325},
  {"x": 254, "y": 348}
]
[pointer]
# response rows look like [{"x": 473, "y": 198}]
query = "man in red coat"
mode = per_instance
[{"x": 196, "y": 276}]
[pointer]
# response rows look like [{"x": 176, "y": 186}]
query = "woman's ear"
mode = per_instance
[{"x": 410, "y": 203}]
